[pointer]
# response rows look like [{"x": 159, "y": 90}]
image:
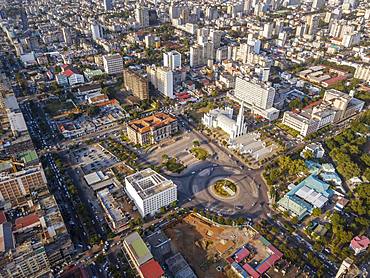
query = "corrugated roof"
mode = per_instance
[{"x": 151, "y": 269}]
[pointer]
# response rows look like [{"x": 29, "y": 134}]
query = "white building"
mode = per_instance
[
  {"x": 150, "y": 191},
  {"x": 316, "y": 149},
  {"x": 363, "y": 72},
  {"x": 335, "y": 107},
  {"x": 172, "y": 60},
  {"x": 267, "y": 30},
  {"x": 96, "y": 31},
  {"x": 162, "y": 79},
  {"x": 223, "y": 118},
  {"x": 257, "y": 96},
  {"x": 113, "y": 64}
]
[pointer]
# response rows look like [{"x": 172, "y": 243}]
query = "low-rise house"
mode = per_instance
[{"x": 359, "y": 244}]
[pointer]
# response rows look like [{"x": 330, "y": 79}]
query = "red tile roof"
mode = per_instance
[
  {"x": 151, "y": 269},
  {"x": 241, "y": 254},
  {"x": 360, "y": 242},
  {"x": 26, "y": 221},
  {"x": 334, "y": 80},
  {"x": 151, "y": 122},
  {"x": 2, "y": 217},
  {"x": 68, "y": 73}
]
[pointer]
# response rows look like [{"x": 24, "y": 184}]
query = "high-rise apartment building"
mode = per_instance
[
  {"x": 113, "y": 64},
  {"x": 136, "y": 83},
  {"x": 108, "y": 5},
  {"x": 96, "y": 31},
  {"x": 196, "y": 55},
  {"x": 165, "y": 81},
  {"x": 317, "y": 4},
  {"x": 363, "y": 72},
  {"x": 66, "y": 36},
  {"x": 142, "y": 16},
  {"x": 267, "y": 30},
  {"x": 172, "y": 60},
  {"x": 312, "y": 24}
]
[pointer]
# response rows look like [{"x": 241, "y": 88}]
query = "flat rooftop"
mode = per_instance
[
  {"x": 148, "y": 183},
  {"x": 138, "y": 248}
]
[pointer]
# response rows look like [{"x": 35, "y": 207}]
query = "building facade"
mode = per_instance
[
  {"x": 150, "y": 191},
  {"x": 257, "y": 96},
  {"x": 152, "y": 129},
  {"x": 15, "y": 188},
  {"x": 136, "y": 83},
  {"x": 113, "y": 64}
]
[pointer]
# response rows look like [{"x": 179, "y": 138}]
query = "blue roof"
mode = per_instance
[
  {"x": 314, "y": 183},
  {"x": 334, "y": 177},
  {"x": 313, "y": 167},
  {"x": 241, "y": 271}
]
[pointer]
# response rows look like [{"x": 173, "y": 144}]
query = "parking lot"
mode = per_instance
[{"x": 93, "y": 158}]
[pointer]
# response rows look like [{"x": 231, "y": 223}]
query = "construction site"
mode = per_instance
[{"x": 207, "y": 245}]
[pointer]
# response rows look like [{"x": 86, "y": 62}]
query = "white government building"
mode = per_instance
[
  {"x": 256, "y": 96},
  {"x": 150, "y": 191},
  {"x": 223, "y": 118}
]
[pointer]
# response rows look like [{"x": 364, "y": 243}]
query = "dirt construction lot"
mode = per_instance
[{"x": 204, "y": 245}]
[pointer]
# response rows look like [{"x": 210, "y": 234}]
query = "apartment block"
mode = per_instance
[
  {"x": 136, "y": 83},
  {"x": 113, "y": 64},
  {"x": 16, "y": 187}
]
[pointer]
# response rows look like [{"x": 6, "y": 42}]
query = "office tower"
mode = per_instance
[
  {"x": 267, "y": 30},
  {"x": 172, "y": 60},
  {"x": 96, "y": 30},
  {"x": 150, "y": 191},
  {"x": 66, "y": 36},
  {"x": 136, "y": 83},
  {"x": 142, "y": 16},
  {"x": 108, "y": 5},
  {"x": 113, "y": 64},
  {"x": 165, "y": 81}
]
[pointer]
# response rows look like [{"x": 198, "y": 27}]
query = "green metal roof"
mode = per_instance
[{"x": 28, "y": 156}]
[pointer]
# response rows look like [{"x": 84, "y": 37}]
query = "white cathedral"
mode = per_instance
[{"x": 223, "y": 118}]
